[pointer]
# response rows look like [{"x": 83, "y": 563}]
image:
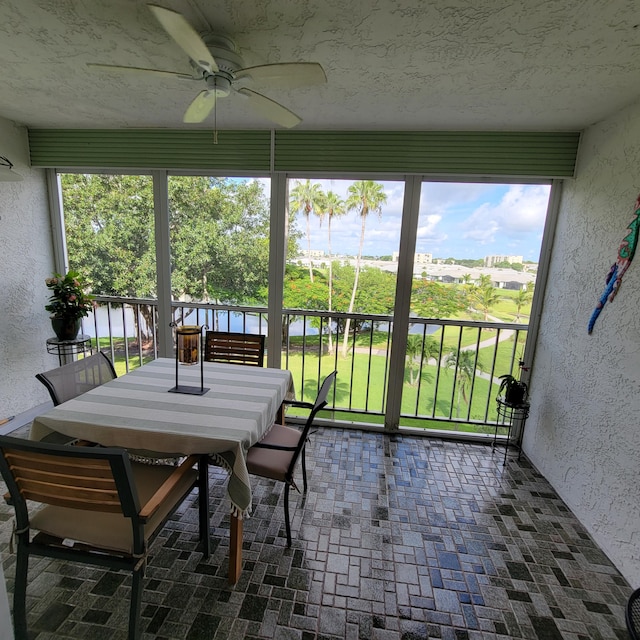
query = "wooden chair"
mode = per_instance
[
  {"x": 234, "y": 348},
  {"x": 70, "y": 380},
  {"x": 100, "y": 509},
  {"x": 276, "y": 456}
]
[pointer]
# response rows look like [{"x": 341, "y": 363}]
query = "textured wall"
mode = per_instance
[
  {"x": 584, "y": 430},
  {"x": 26, "y": 259}
]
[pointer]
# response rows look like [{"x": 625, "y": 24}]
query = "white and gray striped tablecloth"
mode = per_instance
[{"x": 136, "y": 411}]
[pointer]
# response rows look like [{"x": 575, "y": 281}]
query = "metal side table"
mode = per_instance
[
  {"x": 67, "y": 349},
  {"x": 510, "y": 415}
]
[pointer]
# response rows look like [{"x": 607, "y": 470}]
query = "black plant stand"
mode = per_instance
[
  {"x": 67, "y": 349},
  {"x": 508, "y": 415}
]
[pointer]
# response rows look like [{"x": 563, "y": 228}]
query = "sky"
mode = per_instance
[{"x": 459, "y": 220}]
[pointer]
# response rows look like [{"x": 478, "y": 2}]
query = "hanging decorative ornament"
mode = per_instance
[{"x": 618, "y": 269}]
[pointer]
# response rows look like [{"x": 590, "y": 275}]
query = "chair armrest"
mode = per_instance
[
  {"x": 167, "y": 486},
  {"x": 278, "y": 447},
  {"x": 298, "y": 403}
]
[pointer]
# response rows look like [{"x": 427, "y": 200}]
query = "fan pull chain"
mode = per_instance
[{"x": 215, "y": 115}]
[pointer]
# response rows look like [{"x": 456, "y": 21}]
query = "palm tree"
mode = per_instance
[
  {"x": 431, "y": 349},
  {"x": 365, "y": 196},
  {"x": 334, "y": 207},
  {"x": 486, "y": 298},
  {"x": 465, "y": 364},
  {"x": 421, "y": 351},
  {"x": 307, "y": 198},
  {"x": 485, "y": 281},
  {"x": 414, "y": 352},
  {"x": 522, "y": 299}
]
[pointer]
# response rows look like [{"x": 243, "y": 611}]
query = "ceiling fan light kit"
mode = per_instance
[{"x": 216, "y": 62}]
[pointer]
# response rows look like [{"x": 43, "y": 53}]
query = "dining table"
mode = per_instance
[{"x": 138, "y": 412}]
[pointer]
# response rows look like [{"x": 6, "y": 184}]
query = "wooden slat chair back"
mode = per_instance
[
  {"x": 100, "y": 509},
  {"x": 234, "y": 348},
  {"x": 72, "y": 379},
  {"x": 276, "y": 456}
]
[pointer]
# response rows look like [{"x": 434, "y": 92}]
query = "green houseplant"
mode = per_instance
[
  {"x": 68, "y": 304},
  {"x": 513, "y": 390}
]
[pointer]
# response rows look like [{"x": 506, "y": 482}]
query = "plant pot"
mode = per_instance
[
  {"x": 516, "y": 393},
  {"x": 66, "y": 328}
]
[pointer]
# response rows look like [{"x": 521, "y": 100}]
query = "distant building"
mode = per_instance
[
  {"x": 489, "y": 261},
  {"x": 314, "y": 254},
  {"x": 418, "y": 258}
]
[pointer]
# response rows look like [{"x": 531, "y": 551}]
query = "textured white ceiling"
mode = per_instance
[{"x": 391, "y": 64}]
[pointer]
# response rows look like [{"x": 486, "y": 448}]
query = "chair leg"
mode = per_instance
[
  {"x": 20, "y": 592},
  {"x": 304, "y": 468},
  {"x": 286, "y": 513},
  {"x": 136, "y": 602}
]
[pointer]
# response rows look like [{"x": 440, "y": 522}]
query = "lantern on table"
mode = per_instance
[{"x": 189, "y": 352}]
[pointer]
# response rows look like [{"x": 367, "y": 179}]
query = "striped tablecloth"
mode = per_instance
[{"x": 136, "y": 411}]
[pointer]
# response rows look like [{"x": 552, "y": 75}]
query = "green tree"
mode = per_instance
[
  {"x": 465, "y": 363},
  {"x": 334, "y": 207},
  {"x": 307, "y": 198},
  {"x": 485, "y": 298},
  {"x": 219, "y": 232},
  {"x": 421, "y": 351},
  {"x": 521, "y": 300},
  {"x": 365, "y": 196},
  {"x": 109, "y": 228},
  {"x": 414, "y": 356},
  {"x": 433, "y": 300}
]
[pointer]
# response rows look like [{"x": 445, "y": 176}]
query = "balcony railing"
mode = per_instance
[{"x": 451, "y": 369}]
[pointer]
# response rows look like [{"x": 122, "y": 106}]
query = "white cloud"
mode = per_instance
[{"x": 522, "y": 210}]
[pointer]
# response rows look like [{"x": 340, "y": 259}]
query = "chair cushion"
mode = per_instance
[
  {"x": 112, "y": 530},
  {"x": 269, "y": 463},
  {"x": 282, "y": 436}
]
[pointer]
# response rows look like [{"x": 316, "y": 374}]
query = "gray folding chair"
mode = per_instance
[{"x": 71, "y": 380}]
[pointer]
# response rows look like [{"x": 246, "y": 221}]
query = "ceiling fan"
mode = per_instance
[{"x": 215, "y": 62}]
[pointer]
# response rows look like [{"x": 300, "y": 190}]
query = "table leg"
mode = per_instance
[
  {"x": 235, "y": 549},
  {"x": 203, "y": 504}
]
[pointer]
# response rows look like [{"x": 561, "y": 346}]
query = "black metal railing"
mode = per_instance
[{"x": 449, "y": 380}]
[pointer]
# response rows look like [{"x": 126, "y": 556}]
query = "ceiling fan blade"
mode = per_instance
[
  {"x": 201, "y": 107},
  {"x": 117, "y": 68},
  {"x": 271, "y": 109},
  {"x": 286, "y": 74},
  {"x": 185, "y": 36}
]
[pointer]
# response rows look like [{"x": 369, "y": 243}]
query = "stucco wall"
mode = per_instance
[
  {"x": 584, "y": 430},
  {"x": 26, "y": 259}
]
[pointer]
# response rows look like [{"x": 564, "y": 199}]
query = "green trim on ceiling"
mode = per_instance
[
  {"x": 490, "y": 153},
  {"x": 463, "y": 153},
  {"x": 151, "y": 149}
]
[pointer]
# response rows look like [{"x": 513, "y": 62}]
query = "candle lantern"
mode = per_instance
[{"x": 189, "y": 352}]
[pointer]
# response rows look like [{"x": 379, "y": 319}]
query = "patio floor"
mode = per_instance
[{"x": 398, "y": 538}]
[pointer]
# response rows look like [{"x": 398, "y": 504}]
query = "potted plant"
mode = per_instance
[
  {"x": 513, "y": 390},
  {"x": 68, "y": 304}
]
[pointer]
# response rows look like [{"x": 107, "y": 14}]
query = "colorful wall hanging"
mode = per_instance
[{"x": 625, "y": 256}]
